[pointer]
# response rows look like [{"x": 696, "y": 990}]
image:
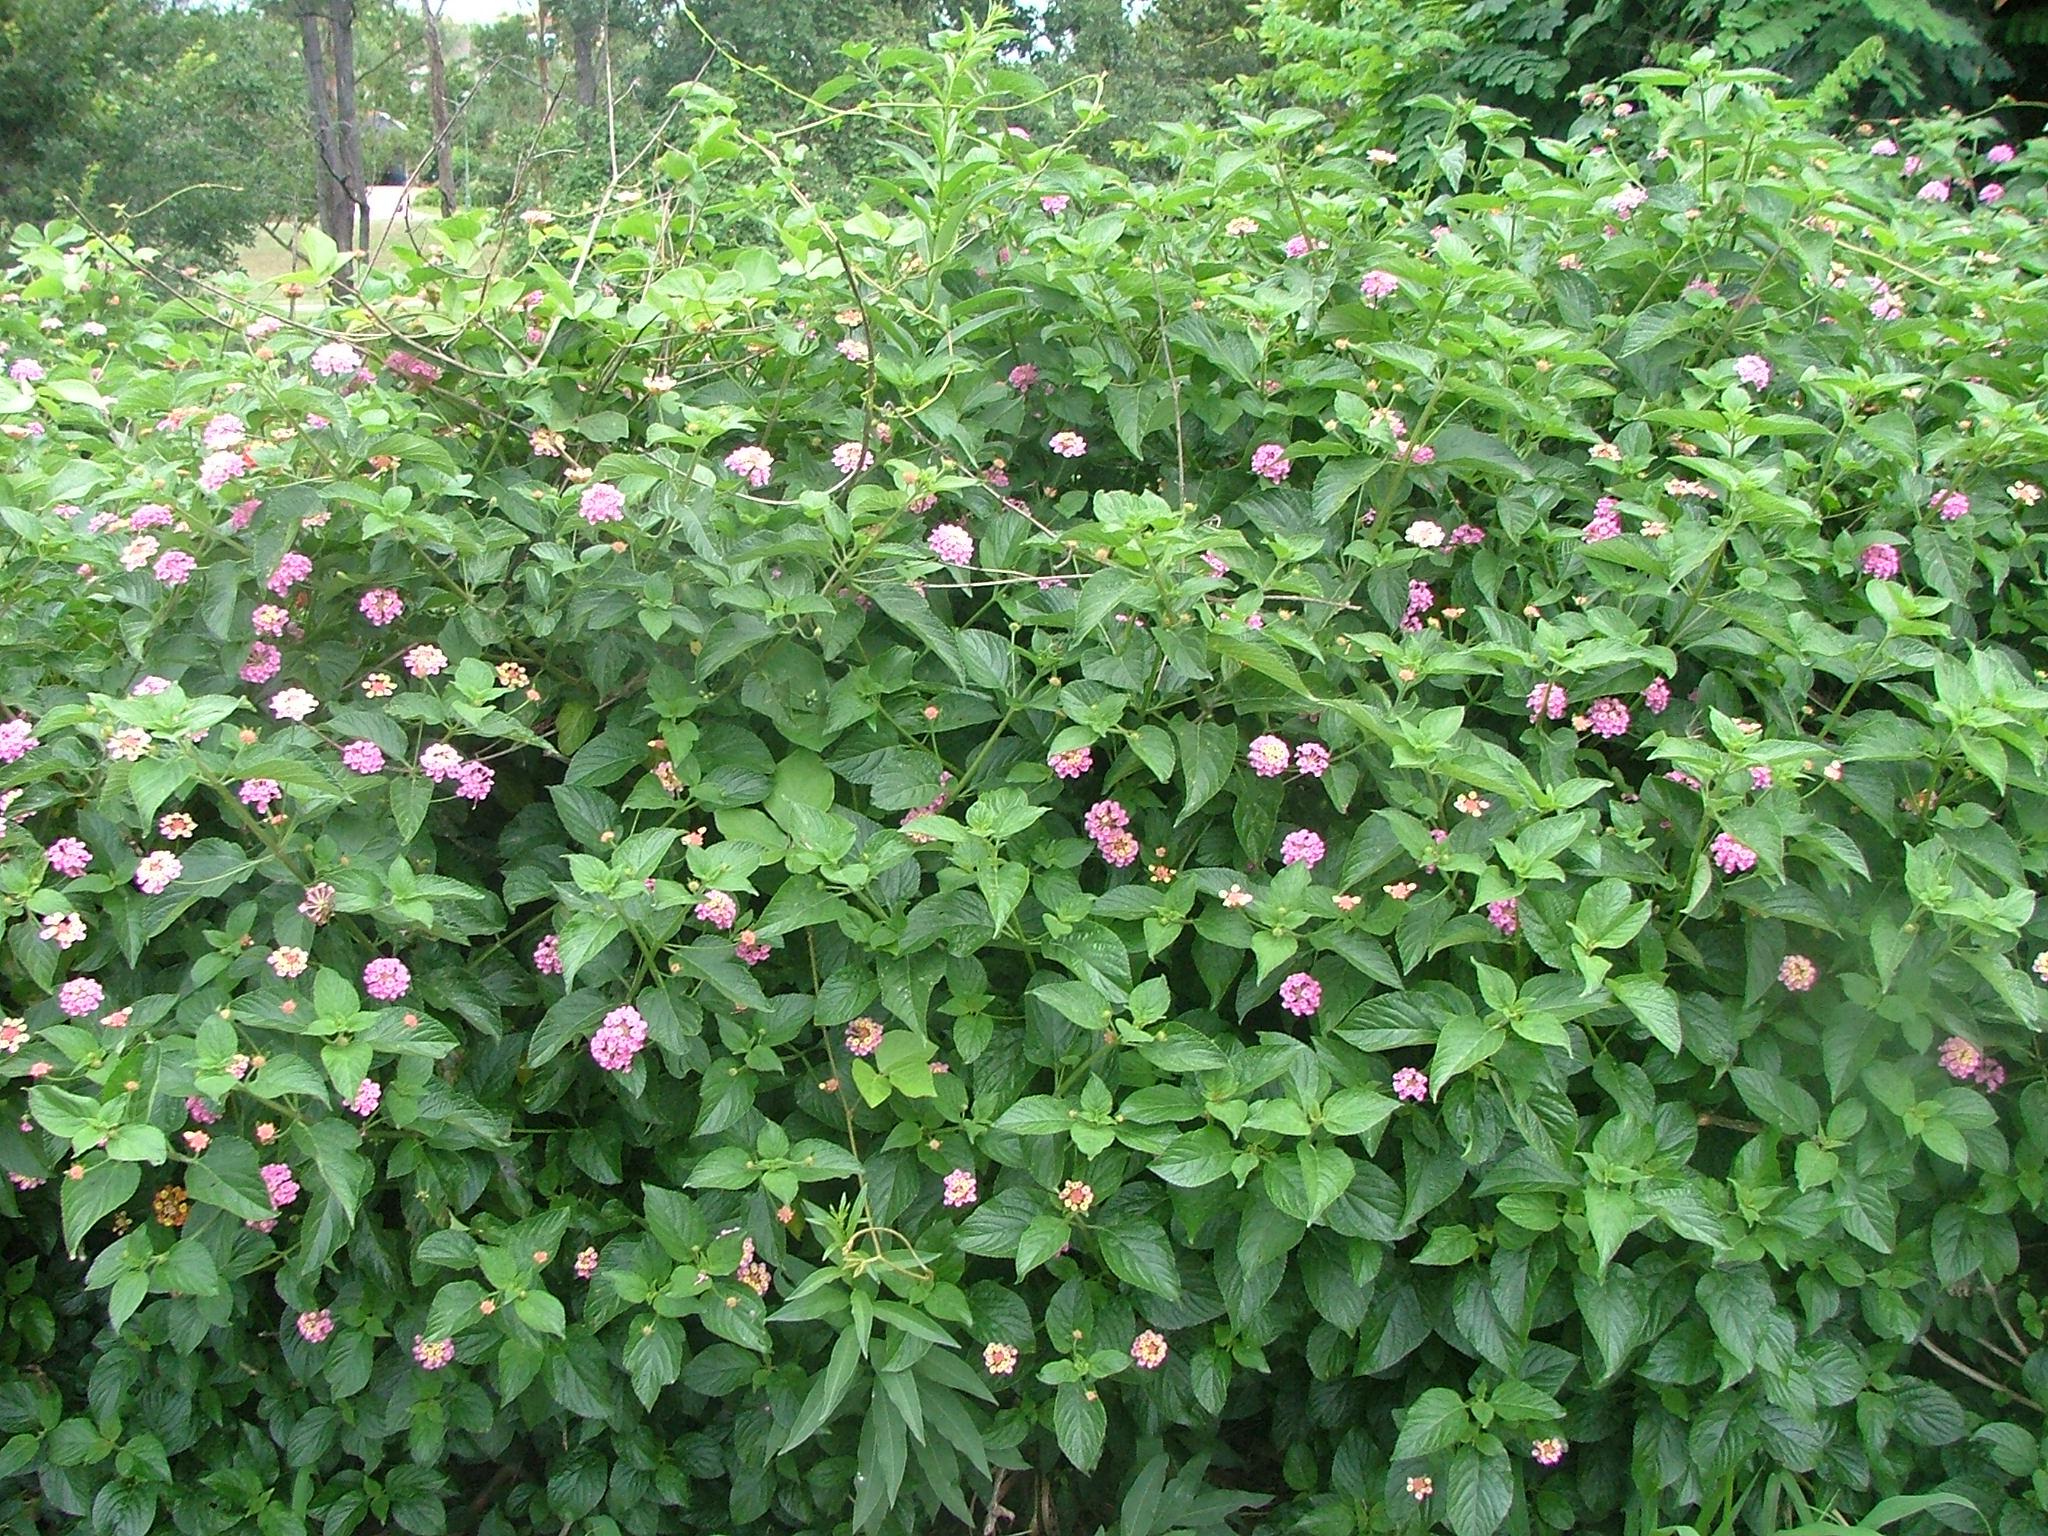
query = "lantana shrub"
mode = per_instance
[{"x": 1322, "y": 844}]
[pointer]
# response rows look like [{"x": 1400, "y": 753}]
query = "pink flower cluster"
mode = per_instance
[
  {"x": 1378, "y": 284},
  {"x": 1730, "y": 856},
  {"x": 278, "y": 1181},
  {"x": 289, "y": 572},
  {"x": 1607, "y": 717},
  {"x": 263, "y": 662},
  {"x": 386, "y": 979},
  {"x": 336, "y": 359},
  {"x": 1420, "y": 600},
  {"x": 155, "y": 872},
  {"x": 1109, "y": 824},
  {"x": 1072, "y": 763},
  {"x": 17, "y": 740},
  {"x": 1880, "y": 561},
  {"x": 752, "y": 1273},
  {"x": 752, "y": 463},
  {"x": 1505, "y": 914},
  {"x": 80, "y": 996},
  {"x": 619, "y": 1039},
  {"x": 1267, "y": 756},
  {"x": 293, "y": 704},
  {"x": 381, "y": 605},
  {"x": 1605, "y": 523},
  {"x": 1412, "y": 1084},
  {"x": 1303, "y": 847},
  {"x": 1797, "y": 973},
  {"x": 718, "y": 909},
  {"x": 960, "y": 1189},
  {"x": 952, "y": 544},
  {"x": 1270, "y": 462},
  {"x": 1657, "y": 697},
  {"x": 260, "y": 794},
  {"x": 217, "y": 469},
  {"x": 1951, "y": 505},
  {"x": 1961, "y": 1060},
  {"x": 1547, "y": 700},
  {"x": 1301, "y": 994},
  {"x": 415, "y": 369},
  {"x": 473, "y": 779},
  {"x": 605, "y": 503}
]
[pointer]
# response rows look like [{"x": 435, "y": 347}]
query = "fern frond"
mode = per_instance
[{"x": 1830, "y": 96}]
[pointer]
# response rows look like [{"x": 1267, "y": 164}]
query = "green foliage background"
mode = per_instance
[{"x": 1732, "y": 1251}]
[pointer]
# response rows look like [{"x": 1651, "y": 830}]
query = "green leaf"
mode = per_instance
[
  {"x": 1463, "y": 1043},
  {"x": 410, "y": 798},
  {"x": 1080, "y": 1423},
  {"x": 187, "y": 1269},
  {"x": 1138, "y": 1254},
  {"x": 1194, "y": 1159},
  {"x": 1478, "y": 1491},
  {"x": 673, "y": 1221},
  {"x": 1435, "y": 1421},
  {"x": 1738, "y": 1304},
  {"x": 104, "y": 1188},
  {"x": 1448, "y": 1246},
  {"x": 1607, "y": 917},
  {"x": 582, "y": 939},
  {"x": 724, "y": 1168},
  {"x": 331, "y": 1146},
  {"x": 828, "y": 1390},
  {"x": 1610, "y": 1216},
  {"x": 229, "y": 1176},
  {"x": 1207, "y": 752},
  {"x": 653, "y": 1356},
  {"x": 1654, "y": 1005},
  {"x": 1155, "y": 750},
  {"x": 1037, "y": 1115},
  {"x": 1040, "y": 1240},
  {"x": 1778, "y": 1101},
  {"x": 542, "y": 1312}
]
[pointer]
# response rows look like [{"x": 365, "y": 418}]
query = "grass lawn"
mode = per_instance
[{"x": 266, "y": 258}]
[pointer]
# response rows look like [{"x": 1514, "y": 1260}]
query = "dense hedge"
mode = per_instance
[{"x": 1328, "y": 846}]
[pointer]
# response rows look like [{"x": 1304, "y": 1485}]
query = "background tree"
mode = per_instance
[
  {"x": 437, "y": 89},
  {"x": 179, "y": 123}
]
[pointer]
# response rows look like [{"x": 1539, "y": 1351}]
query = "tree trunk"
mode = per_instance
[
  {"x": 328, "y": 182},
  {"x": 540, "y": 52},
  {"x": 348, "y": 135},
  {"x": 582, "y": 49},
  {"x": 437, "y": 89}
]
